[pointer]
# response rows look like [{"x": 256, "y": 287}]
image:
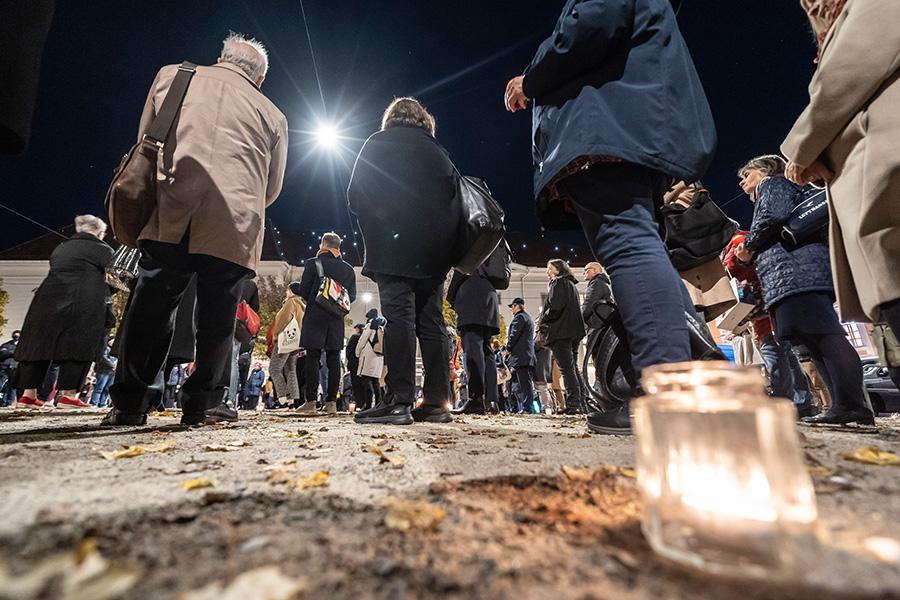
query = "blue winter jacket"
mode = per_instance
[
  {"x": 615, "y": 78},
  {"x": 256, "y": 382},
  {"x": 784, "y": 272}
]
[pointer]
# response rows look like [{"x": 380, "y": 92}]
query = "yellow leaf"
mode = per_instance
[
  {"x": 296, "y": 434},
  {"x": 409, "y": 514},
  {"x": 578, "y": 474},
  {"x": 378, "y": 450},
  {"x": 628, "y": 473},
  {"x": 158, "y": 432},
  {"x": 164, "y": 413},
  {"x": 317, "y": 480},
  {"x": 198, "y": 484},
  {"x": 131, "y": 451},
  {"x": 871, "y": 455},
  {"x": 819, "y": 472}
]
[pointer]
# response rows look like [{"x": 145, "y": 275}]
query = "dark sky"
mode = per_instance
[{"x": 456, "y": 57}]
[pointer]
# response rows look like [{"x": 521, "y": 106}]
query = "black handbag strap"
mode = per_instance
[
  {"x": 319, "y": 269},
  {"x": 162, "y": 124}
]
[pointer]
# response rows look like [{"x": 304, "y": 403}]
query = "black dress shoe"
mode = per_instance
[
  {"x": 397, "y": 414},
  {"x": 432, "y": 413},
  {"x": 220, "y": 414},
  {"x": 118, "y": 417},
  {"x": 574, "y": 409},
  {"x": 493, "y": 408},
  {"x": 860, "y": 416},
  {"x": 472, "y": 406},
  {"x": 807, "y": 409},
  {"x": 612, "y": 422}
]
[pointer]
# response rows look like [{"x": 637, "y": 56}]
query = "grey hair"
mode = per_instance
[
  {"x": 250, "y": 55},
  {"x": 89, "y": 224},
  {"x": 771, "y": 165}
]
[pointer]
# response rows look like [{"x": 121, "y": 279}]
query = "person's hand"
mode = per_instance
[
  {"x": 742, "y": 253},
  {"x": 515, "y": 98},
  {"x": 800, "y": 175}
]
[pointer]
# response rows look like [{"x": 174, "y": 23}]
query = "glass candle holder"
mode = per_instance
[{"x": 721, "y": 471}]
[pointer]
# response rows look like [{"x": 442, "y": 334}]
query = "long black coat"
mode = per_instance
[
  {"x": 561, "y": 317},
  {"x": 594, "y": 309},
  {"x": 475, "y": 301},
  {"x": 350, "y": 353},
  {"x": 71, "y": 314},
  {"x": 520, "y": 342},
  {"x": 615, "y": 78},
  {"x": 403, "y": 189},
  {"x": 320, "y": 329}
]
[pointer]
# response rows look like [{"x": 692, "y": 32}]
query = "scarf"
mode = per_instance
[
  {"x": 823, "y": 14},
  {"x": 334, "y": 253}
]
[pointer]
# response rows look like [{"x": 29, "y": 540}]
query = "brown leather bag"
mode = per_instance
[{"x": 131, "y": 197}]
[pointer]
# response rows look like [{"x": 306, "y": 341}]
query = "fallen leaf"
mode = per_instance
[
  {"x": 296, "y": 434},
  {"x": 163, "y": 413},
  {"x": 378, "y": 450},
  {"x": 280, "y": 473},
  {"x": 276, "y": 419},
  {"x": 265, "y": 583},
  {"x": 629, "y": 473},
  {"x": 131, "y": 451},
  {"x": 216, "y": 448},
  {"x": 819, "y": 472},
  {"x": 197, "y": 484},
  {"x": 158, "y": 432},
  {"x": 411, "y": 514},
  {"x": 871, "y": 455},
  {"x": 317, "y": 480},
  {"x": 238, "y": 444},
  {"x": 578, "y": 474}
]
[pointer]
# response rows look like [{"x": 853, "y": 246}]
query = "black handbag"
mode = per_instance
[
  {"x": 332, "y": 296},
  {"x": 696, "y": 234},
  {"x": 480, "y": 224},
  {"x": 123, "y": 268},
  {"x": 809, "y": 218}
]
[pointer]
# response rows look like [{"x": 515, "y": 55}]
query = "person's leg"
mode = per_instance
[
  {"x": 313, "y": 360},
  {"x": 472, "y": 340},
  {"x": 276, "y": 370},
  {"x": 433, "y": 340},
  {"x": 398, "y": 306},
  {"x": 99, "y": 386},
  {"x": 778, "y": 368},
  {"x": 333, "y": 363},
  {"x": 803, "y": 396},
  {"x": 526, "y": 388},
  {"x": 890, "y": 313},
  {"x": 491, "y": 398},
  {"x": 290, "y": 375},
  {"x": 840, "y": 366},
  {"x": 32, "y": 375},
  {"x": 232, "y": 393},
  {"x": 563, "y": 352}
]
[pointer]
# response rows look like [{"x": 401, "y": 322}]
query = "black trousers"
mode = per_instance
[
  {"x": 32, "y": 374},
  {"x": 333, "y": 364},
  {"x": 164, "y": 272},
  {"x": 370, "y": 392},
  {"x": 480, "y": 364},
  {"x": 524, "y": 389},
  {"x": 566, "y": 354},
  {"x": 414, "y": 309}
]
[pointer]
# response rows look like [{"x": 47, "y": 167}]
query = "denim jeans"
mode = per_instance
[
  {"x": 617, "y": 204},
  {"x": 8, "y": 393},
  {"x": 101, "y": 389}
]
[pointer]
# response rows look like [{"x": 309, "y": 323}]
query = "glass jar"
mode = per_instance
[{"x": 721, "y": 470}]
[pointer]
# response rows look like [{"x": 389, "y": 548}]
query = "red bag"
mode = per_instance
[{"x": 247, "y": 325}]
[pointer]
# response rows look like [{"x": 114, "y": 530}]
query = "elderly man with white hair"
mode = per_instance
[{"x": 221, "y": 166}]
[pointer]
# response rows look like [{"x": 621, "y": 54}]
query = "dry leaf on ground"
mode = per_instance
[
  {"x": 409, "y": 514},
  {"x": 280, "y": 473},
  {"x": 578, "y": 474},
  {"x": 819, "y": 471},
  {"x": 378, "y": 450},
  {"x": 198, "y": 484},
  {"x": 216, "y": 448},
  {"x": 238, "y": 444},
  {"x": 871, "y": 455},
  {"x": 265, "y": 583},
  {"x": 163, "y": 413},
  {"x": 158, "y": 432},
  {"x": 131, "y": 451},
  {"x": 296, "y": 434},
  {"x": 630, "y": 473},
  {"x": 317, "y": 480}
]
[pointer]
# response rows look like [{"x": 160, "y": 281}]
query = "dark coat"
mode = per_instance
[
  {"x": 615, "y": 78},
  {"x": 781, "y": 271},
  {"x": 543, "y": 365},
  {"x": 7, "y": 354},
  {"x": 256, "y": 382},
  {"x": 250, "y": 294},
  {"x": 320, "y": 329},
  {"x": 475, "y": 301},
  {"x": 177, "y": 376},
  {"x": 105, "y": 364},
  {"x": 352, "y": 359},
  {"x": 403, "y": 189},
  {"x": 561, "y": 317},
  {"x": 520, "y": 342},
  {"x": 593, "y": 309},
  {"x": 71, "y": 314}
]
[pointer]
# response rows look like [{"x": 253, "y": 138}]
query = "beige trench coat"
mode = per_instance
[
  {"x": 222, "y": 164},
  {"x": 710, "y": 288},
  {"x": 853, "y": 123}
]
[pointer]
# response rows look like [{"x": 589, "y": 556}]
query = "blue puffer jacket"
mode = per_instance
[{"x": 784, "y": 272}]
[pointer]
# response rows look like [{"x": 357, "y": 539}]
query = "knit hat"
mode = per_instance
[{"x": 295, "y": 288}]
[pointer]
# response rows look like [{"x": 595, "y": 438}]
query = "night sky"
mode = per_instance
[{"x": 456, "y": 57}]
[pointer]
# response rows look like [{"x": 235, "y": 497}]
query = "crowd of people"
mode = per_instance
[{"x": 622, "y": 129}]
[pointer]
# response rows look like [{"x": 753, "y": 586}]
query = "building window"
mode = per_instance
[{"x": 853, "y": 334}]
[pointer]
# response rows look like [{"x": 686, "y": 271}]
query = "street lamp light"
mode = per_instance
[{"x": 327, "y": 136}]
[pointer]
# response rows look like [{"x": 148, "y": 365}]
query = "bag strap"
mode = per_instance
[
  {"x": 319, "y": 269},
  {"x": 162, "y": 124}
]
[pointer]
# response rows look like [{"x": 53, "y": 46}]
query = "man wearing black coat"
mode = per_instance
[
  {"x": 594, "y": 307},
  {"x": 321, "y": 330},
  {"x": 8, "y": 366},
  {"x": 619, "y": 112},
  {"x": 477, "y": 308},
  {"x": 356, "y": 382},
  {"x": 520, "y": 345}
]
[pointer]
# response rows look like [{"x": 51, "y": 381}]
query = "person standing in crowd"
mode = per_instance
[
  {"x": 888, "y": 351},
  {"x": 798, "y": 291},
  {"x": 403, "y": 190},
  {"x": 370, "y": 362},
  {"x": 562, "y": 329},
  {"x": 787, "y": 379},
  {"x": 69, "y": 318},
  {"x": 356, "y": 382},
  {"x": 255, "y": 384},
  {"x": 105, "y": 370},
  {"x": 597, "y": 300},
  {"x": 8, "y": 369},
  {"x": 520, "y": 344},
  {"x": 208, "y": 221},
  {"x": 477, "y": 307},
  {"x": 847, "y": 138},
  {"x": 323, "y": 331},
  {"x": 234, "y": 380},
  {"x": 619, "y": 112},
  {"x": 283, "y": 365},
  {"x": 174, "y": 381}
]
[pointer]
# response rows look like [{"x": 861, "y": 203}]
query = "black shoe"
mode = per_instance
[
  {"x": 860, "y": 416},
  {"x": 397, "y": 414},
  {"x": 118, "y": 417},
  {"x": 471, "y": 406},
  {"x": 574, "y": 409},
  {"x": 221, "y": 413},
  {"x": 807, "y": 409},
  {"x": 493, "y": 408},
  {"x": 432, "y": 413},
  {"x": 612, "y": 422}
]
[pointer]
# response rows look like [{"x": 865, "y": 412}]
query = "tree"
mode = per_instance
[
  {"x": 271, "y": 298},
  {"x": 120, "y": 299},
  {"x": 449, "y": 315},
  {"x": 501, "y": 337},
  {"x": 4, "y": 300}
]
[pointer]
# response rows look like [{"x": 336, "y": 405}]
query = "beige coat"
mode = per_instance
[
  {"x": 222, "y": 165},
  {"x": 853, "y": 123},
  {"x": 293, "y": 307},
  {"x": 370, "y": 364},
  {"x": 710, "y": 288}
]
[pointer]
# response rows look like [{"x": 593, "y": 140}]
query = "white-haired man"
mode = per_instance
[{"x": 222, "y": 164}]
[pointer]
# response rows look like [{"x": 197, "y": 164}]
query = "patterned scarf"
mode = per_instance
[{"x": 824, "y": 13}]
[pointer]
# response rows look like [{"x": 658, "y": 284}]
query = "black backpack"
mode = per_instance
[{"x": 497, "y": 267}]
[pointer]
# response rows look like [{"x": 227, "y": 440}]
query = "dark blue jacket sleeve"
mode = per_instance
[
  {"x": 772, "y": 211},
  {"x": 516, "y": 330},
  {"x": 583, "y": 36}
]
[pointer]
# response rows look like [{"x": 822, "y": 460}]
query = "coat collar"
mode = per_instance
[{"x": 237, "y": 70}]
